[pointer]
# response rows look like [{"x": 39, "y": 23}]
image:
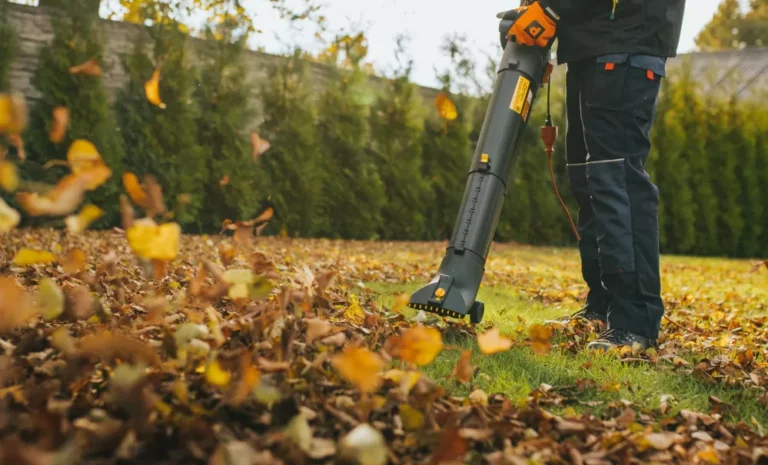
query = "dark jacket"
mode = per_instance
[{"x": 586, "y": 30}]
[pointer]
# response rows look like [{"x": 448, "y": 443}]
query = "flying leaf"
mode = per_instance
[
  {"x": 413, "y": 419},
  {"x": 215, "y": 375},
  {"x": 135, "y": 191},
  {"x": 60, "y": 201},
  {"x": 360, "y": 367},
  {"x": 9, "y": 218},
  {"x": 299, "y": 433},
  {"x": 60, "y": 124},
  {"x": 153, "y": 242},
  {"x": 27, "y": 257},
  {"x": 152, "y": 89},
  {"x": 84, "y": 159},
  {"x": 74, "y": 261},
  {"x": 245, "y": 284},
  {"x": 89, "y": 68},
  {"x": 260, "y": 146},
  {"x": 420, "y": 345},
  {"x": 15, "y": 305},
  {"x": 540, "y": 337},
  {"x": 463, "y": 371},
  {"x": 364, "y": 445},
  {"x": 224, "y": 181},
  {"x": 316, "y": 329},
  {"x": 155, "y": 202},
  {"x": 80, "y": 222},
  {"x": 9, "y": 176},
  {"x": 13, "y": 114},
  {"x": 50, "y": 300},
  {"x": 249, "y": 379},
  {"x": 445, "y": 107},
  {"x": 492, "y": 342}
]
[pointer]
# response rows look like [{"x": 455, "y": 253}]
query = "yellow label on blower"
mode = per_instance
[{"x": 520, "y": 96}]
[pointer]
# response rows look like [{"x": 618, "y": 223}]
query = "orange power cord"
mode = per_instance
[{"x": 549, "y": 137}]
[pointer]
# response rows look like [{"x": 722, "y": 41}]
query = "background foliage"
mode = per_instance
[{"x": 360, "y": 157}]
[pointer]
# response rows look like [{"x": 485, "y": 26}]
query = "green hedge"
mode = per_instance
[{"x": 360, "y": 158}]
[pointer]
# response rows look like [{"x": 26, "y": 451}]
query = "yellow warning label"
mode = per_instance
[
  {"x": 520, "y": 96},
  {"x": 527, "y": 106}
]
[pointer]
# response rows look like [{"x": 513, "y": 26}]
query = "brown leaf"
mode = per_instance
[
  {"x": 493, "y": 342},
  {"x": 15, "y": 305},
  {"x": 540, "y": 337},
  {"x": 110, "y": 345},
  {"x": 463, "y": 370},
  {"x": 452, "y": 446},
  {"x": 89, "y": 68},
  {"x": 60, "y": 124},
  {"x": 260, "y": 146}
]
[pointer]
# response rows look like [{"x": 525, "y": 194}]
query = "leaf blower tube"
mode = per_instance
[{"x": 454, "y": 289}]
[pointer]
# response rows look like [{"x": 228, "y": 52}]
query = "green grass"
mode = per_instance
[{"x": 519, "y": 371}]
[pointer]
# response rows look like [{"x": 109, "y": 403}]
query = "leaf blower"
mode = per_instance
[{"x": 522, "y": 72}]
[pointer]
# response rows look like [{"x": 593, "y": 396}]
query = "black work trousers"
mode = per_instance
[{"x": 611, "y": 108}]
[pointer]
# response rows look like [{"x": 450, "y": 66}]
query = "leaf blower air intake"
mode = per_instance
[{"x": 522, "y": 72}]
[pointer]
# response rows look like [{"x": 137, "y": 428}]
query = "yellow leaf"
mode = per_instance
[
  {"x": 60, "y": 201},
  {"x": 26, "y": 257},
  {"x": 259, "y": 145},
  {"x": 709, "y": 455},
  {"x": 153, "y": 242},
  {"x": 60, "y": 124},
  {"x": 215, "y": 375},
  {"x": 540, "y": 339},
  {"x": 492, "y": 342},
  {"x": 80, "y": 222},
  {"x": 420, "y": 345},
  {"x": 360, "y": 367},
  {"x": 478, "y": 397},
  {"x": 50, "y": 300},
  {"x": 413, "y": 420},
  {"x": 13, "y": 114},
  {"x": 9, "y": 218},
  {"x": 9, "y": 176},
  {"x": 152, "y": 89},
  {"x": 445, "y": 107},
  {"x": 355, "y": 313},
  {"x": 84, "y": 160}
]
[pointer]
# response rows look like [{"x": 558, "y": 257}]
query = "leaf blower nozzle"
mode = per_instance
[{"x": 453, "y": 290}]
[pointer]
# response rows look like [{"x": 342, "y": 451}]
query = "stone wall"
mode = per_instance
[{"x": 34, "y": 29}]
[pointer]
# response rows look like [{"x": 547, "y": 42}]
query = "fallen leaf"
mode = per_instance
[
  {"x": 463, "y": 371},
  {"x": 260, "y": 146},
  {"x": 445, "y": 107},
  {"x": 299, "y": 433},
  {"x": 709, "y": 455},
  {"x": 360, "y": 367},
  {"x": 451, "y": 447},
  {"x": 420, "y": 345},
  {"x": 413, "y": 419},
  {"x": 152, "y": 89},
  {"x": 60, "y": 124},
  {"x": 478, "y": 397},
  {"x": 153, "y": 242},
  {"x": 76, "y": 224},
  {"x": 28, "y": 257},
  {"x": 492, "y": 342},
  {"x": 89, "y": 68},
  {"x": 660, "y": 441},
  {"x": 316, "y": 329}
]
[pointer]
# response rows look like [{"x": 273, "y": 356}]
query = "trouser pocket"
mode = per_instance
[{"x": 607, "y": 183}]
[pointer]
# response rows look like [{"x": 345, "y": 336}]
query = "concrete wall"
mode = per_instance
[{"x": 34, "y": 29}]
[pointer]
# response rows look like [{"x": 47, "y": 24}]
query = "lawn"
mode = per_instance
[{"x": 286, "y": 349}]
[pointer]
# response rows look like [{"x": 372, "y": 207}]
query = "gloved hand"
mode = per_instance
[{"x": 530, "y": 25}]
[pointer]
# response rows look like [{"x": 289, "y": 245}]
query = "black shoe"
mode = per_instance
[
  {"x": 586, "y": 314},
  {"x": 614, "y": 338}
]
